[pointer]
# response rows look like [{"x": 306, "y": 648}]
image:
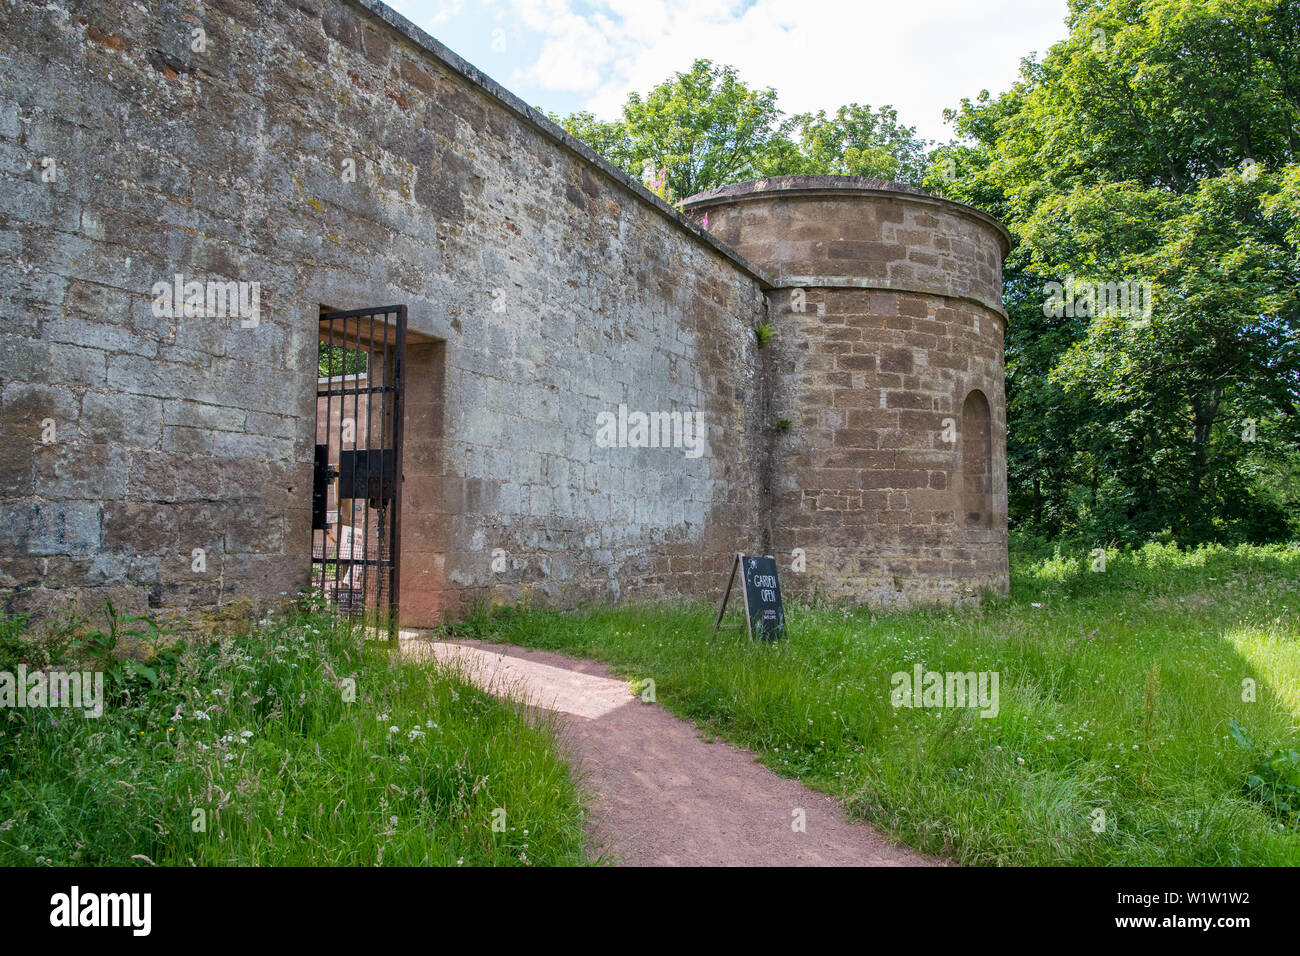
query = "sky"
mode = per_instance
[{"x": 918, "y": 56}]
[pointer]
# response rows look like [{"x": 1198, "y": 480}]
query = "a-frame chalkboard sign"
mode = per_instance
[{"x": 763, "y": 610}]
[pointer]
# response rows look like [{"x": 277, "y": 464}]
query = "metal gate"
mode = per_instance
[{"x": 356, "y": 515}]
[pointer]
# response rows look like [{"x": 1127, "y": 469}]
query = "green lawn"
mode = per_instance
[
  {"x": 255, "y": 733},
  {"x": 1116, "y": 692}
]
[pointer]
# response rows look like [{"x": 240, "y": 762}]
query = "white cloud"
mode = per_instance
[
  {"x": 444, "y": 10},
  {"x": 917, "y": 55},
  {"x": 575, "y": 48}
]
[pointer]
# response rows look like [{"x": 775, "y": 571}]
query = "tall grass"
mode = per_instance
[
  {"x": 1112, "y": 742},
  {"x": 247, "y": 750}
]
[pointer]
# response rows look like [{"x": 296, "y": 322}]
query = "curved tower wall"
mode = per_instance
[{"x": 887, "y": 364}]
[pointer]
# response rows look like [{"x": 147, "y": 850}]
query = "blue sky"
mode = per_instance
[{"x": 917, "y": 55}]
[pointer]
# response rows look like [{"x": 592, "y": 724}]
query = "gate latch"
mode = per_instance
[{"x": 321, "y": 476}]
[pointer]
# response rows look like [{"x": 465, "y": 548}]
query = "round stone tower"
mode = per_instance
[{"x": 883, "y": 384}]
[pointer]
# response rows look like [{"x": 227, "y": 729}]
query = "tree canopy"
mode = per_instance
[
  {"x": 1155, "y": 145},
  {"x": 707, "y": 128}
]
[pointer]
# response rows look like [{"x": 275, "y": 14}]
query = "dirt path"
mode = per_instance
[{"x": 659, "y": 794}]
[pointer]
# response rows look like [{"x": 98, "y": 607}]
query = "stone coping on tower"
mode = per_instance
[
  {"x": 816, "y": 181},
  {"x": 822, "y": 185},
  {"x": 850, "y": 187}
]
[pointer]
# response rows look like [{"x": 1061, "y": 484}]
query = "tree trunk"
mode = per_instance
[{"x": 1204, "y": 414}]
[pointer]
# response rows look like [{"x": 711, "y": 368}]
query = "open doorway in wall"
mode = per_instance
[
  {"x": 357, "y": 476},
  {"x": 977, "y": 461}
]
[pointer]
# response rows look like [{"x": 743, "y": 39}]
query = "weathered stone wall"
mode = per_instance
[
  {"x": 543, "y": 289},
  {"x": 334, "y": 155},
  {"x": 887, "y": 316}
]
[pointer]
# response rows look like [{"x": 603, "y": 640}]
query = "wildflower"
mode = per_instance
[{"x": 394, "y": 729}]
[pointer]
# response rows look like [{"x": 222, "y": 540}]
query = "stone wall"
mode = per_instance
[
  {"x": 338, "y": 158},
  {"x": 543, "y": 288},
  {"x": 887, "y": 317}
]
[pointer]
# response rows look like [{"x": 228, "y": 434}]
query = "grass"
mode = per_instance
[
  {"x": 1123, "y": 691},
  {"x": 1117, "y": 689},
  {"x": 247, "y": 751}
]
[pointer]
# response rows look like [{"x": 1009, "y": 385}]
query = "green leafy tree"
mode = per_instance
[
  {"x": 608, "y": 139},
  {"x": 1156, "y": 144},
  {"x": 856, "y": 141},
  {"x": 333, "y": 360},
  {"x": 707, "y": 128}
]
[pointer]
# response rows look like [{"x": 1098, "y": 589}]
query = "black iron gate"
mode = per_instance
[{"x": 356, "y": 489}]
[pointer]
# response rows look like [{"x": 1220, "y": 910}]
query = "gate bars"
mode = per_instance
[{"x": 358, "y": 460}]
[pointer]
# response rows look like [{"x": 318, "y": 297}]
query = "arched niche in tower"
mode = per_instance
[{"x": 976, "y": 462}]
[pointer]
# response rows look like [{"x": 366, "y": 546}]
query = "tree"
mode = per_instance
[
  {"x": 856, "y": 141},
  {"x": 333, "y": 360},
  {"x": 608, "y": 139},
  {"x": 706, "y": 128},
  {"x": 1156, "y": 144}
]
